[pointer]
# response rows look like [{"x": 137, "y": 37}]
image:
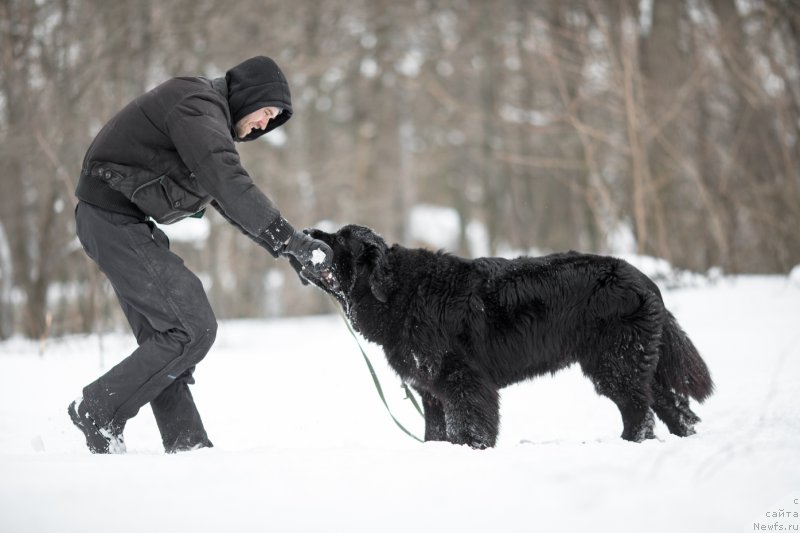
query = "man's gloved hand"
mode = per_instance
[
  {"x": 303, "y": 251},
  {"x": 297, "y": 268},
  {"x": 314, "y": 255}
]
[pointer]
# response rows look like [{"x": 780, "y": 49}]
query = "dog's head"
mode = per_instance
[{"x": 359, "y": 264}]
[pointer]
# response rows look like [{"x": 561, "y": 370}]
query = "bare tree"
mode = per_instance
[{"x": 555, "y": 125}]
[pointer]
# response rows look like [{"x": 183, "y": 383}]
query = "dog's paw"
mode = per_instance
[{"x": 474, "y": 441}]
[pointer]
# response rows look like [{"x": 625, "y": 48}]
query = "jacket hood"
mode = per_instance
[{"x": 255, "y": 83}]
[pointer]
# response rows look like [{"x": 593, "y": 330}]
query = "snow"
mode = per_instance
[
  {"x": 435, "y": 226},
  {"x": 621, "y": 240},
  {"x": 303, "y": 442},
  {"x": 369, "y": 67},
  {"x": 317, "y": 257},
  {"x": 794, "y": 275},
  {"x": 477, "y": 239},
  {"x": 411, "y": 63},
  {"x": 189, "y": 230}
]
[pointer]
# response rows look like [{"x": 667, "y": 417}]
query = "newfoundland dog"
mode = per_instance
[{"x": 459, "y": 330}]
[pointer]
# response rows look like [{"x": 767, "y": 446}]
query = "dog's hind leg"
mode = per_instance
[
  {"x": 471, "y": 406},
  {"x": 435, "y": 426},
  {"x": 625, "y": 377},
  {"x": 622, "y": 360},
  {"x": 673, "y": 409}
]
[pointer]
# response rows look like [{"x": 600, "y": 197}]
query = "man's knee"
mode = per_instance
[
  {"x": 196, "y": 337},
  {"x": 202, "y": 336}
]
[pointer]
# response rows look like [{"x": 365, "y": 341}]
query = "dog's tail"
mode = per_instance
[{"x": 680, "y": 365}]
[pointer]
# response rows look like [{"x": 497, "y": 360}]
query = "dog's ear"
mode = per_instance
[
  {"x": 379, "y": 283},
  {"x": 380, "y": 279}
]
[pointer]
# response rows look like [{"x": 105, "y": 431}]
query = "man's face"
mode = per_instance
[{"x": 257, "y": 120}]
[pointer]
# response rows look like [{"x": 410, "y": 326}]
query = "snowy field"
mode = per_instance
[{"x": 304, "y": 444}]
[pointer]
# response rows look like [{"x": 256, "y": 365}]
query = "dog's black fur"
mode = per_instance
[{"x": 459, "y": 330}]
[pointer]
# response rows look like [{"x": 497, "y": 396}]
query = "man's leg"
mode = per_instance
[
  {"x": 177, "y": 417},
  {"x": 174, "y": 409},
  {"x": 167, "y": 306}
]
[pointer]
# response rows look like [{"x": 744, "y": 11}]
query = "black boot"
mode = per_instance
[{"x": 98, "y": 439}]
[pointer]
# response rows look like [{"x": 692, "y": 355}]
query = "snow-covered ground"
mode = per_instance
[{"x": 304, "y": 444}]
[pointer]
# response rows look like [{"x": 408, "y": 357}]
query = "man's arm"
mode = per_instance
[
  {"x": 261, "y": 242},
  {"x": 198, "y": 126},
  {"x": 264, "y": 244}
]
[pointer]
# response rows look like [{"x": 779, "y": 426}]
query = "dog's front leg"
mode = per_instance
[
  {"x": 435, "y": 427},
  {"x": 471, "y": 406}
]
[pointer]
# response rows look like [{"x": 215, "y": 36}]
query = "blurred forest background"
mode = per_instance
[{"x": 551, "y": 124}]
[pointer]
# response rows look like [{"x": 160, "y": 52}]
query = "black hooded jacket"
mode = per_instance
[{"x": 170, "y": 153}]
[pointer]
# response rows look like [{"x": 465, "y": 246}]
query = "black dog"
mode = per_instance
[{"x": 459, "y": 330}]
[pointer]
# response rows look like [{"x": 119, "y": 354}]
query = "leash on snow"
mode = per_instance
[{"x": 377, "y": 383}]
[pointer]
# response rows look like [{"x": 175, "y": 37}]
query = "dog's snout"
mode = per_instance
[{"x": 330, "y": 280}]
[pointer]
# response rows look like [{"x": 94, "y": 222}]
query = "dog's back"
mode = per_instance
[{"x": 561, "y": 308}]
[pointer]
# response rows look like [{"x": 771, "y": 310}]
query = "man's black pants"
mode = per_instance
[{"x": 170, "y": 315}]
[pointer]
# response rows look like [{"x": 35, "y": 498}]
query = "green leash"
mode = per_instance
[{"x": 409, "y": 394}]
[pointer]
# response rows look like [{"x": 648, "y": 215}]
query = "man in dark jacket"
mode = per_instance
[{"x": 165, "y": 156}]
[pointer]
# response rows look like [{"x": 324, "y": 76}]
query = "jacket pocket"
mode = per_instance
[{"x": 166, "y": 201}]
